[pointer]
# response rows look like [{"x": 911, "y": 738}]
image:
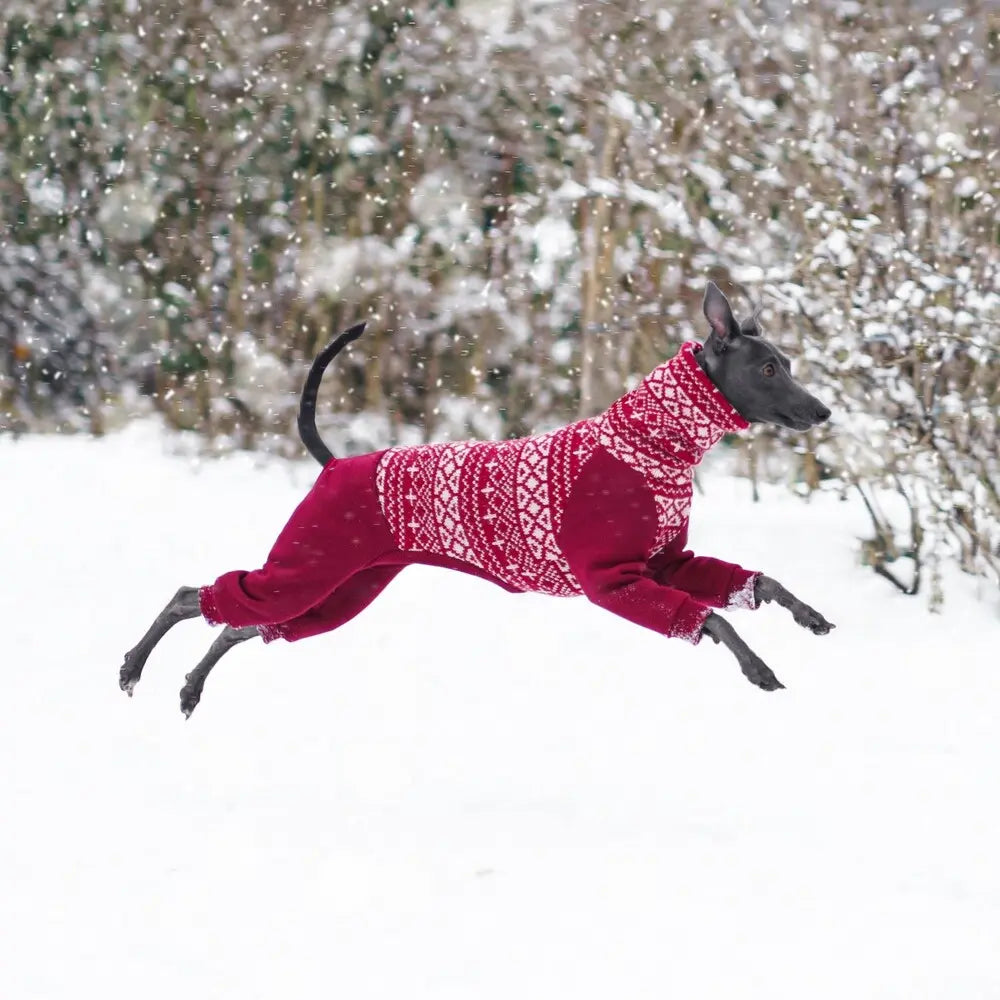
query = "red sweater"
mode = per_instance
[{"x": 599, "y": 507}]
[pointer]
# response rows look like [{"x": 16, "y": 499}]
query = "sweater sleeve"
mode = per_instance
[
  {"x": 711, "y": 581},
  {"x": 607, "y": 529}
]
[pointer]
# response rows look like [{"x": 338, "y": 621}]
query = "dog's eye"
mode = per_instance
[{"x": 768, "y": 370}]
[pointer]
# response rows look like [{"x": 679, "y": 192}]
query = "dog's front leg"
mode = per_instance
[
  {"x": 766, "y": 590},
  {"x": 754, "y": 668}
]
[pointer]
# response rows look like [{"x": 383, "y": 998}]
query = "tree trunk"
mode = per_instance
[{"x": 598, "y": 244}]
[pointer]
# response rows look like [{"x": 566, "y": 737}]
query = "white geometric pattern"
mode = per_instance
[{"x": 498, "y": 505}]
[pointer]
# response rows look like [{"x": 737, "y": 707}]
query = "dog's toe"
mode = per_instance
[
  {"x": 759, "y": 673},
  {"x": 813, "y": 621},
  {"x": 190, "y": 695},
  {"x": 129, "y": 674}
]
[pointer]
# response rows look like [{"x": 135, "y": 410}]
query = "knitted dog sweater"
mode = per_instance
[{"x": 599, "y": 507}]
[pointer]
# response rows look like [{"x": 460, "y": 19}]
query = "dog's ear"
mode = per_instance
[
  {"x": 720, "y": 316},
  {"x": 750, "y": 327}
]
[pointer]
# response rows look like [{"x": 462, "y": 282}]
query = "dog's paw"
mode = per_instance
[
  {"x": 758, "y": 672},
  {"x": 812, "y": 620},
  {"x": 191, "y": 693},
  {"x": 130, "y": 672}
]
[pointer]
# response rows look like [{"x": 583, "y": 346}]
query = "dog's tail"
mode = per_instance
[{"x": 307, "y": 405}]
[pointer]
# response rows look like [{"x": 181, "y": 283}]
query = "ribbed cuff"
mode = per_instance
[
  {"x": 742, "y": 593},
  {"x": 271, "y": 632},
  {"x": 689, "y": 621},
  {"x": 209, "y": 609}
]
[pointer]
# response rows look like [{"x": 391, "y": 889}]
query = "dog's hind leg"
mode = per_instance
[
  {"x": 345, "y": 603},
  {"x": 195, "y": 681},
  {"x": 183, "y": 605},
  {"x": 349, "y": 600}
]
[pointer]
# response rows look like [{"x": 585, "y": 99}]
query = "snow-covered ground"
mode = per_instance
[{"x": 464, "y": 794}]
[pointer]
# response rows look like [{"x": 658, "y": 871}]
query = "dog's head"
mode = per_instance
[{"x": 751, "y": 372}]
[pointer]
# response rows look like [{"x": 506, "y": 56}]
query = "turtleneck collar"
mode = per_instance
[{"x": 675, "y": 414}]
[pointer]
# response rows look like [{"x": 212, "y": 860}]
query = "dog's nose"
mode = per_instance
[{"x": 822, "y": 413}]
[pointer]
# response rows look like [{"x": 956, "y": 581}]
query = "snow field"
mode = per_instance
[{"x": 464, "y": 794}]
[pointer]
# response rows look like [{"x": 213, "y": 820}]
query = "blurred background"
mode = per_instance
[{"x": 525, "y": 198}]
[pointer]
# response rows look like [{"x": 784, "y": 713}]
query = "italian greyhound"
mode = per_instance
[{"x": 598, "y": 508}]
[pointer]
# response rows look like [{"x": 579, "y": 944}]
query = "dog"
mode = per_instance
[{"x": 598, "y": 508}]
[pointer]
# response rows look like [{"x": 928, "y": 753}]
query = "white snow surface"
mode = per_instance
[{"x": 466, "y": 794}]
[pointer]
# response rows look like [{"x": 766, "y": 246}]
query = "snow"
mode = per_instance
[
  {"x": 336, "y": 268},
  {"x": 622, "y": 106},
  {"x": 664, "y": 19},
  {"x": 128, "y": 212},
  {"x": 836, "y": 246},
  {"x": 363, "y": 145},
  {"x": 45, "y": 193},
  {"x": 966, "y": 187},
  {"x": 952, "y": 142},
  {"x": 442, "y": 198},
  {"x": 490, "y": 18},
  {"x": 555, "y": 242},
  {"x": 468, "y": 794}
]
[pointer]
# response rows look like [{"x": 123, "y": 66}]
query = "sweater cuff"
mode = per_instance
[
  {"x": 689, "y": 621},
  {"x": 209, "y": 609},
  {"x": 741, "y": 592},
  {"x": 271, "y": 632}
]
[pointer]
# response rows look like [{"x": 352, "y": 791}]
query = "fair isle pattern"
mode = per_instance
[
  {"x": 493, "y": 505},
  {"x": 663, "y": 428},
  {"x": 498, "y": 505}
]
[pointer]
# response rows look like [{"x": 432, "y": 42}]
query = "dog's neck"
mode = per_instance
[
  {"x": 675, "y": 414},
  {"x": 701, "y": 356}
]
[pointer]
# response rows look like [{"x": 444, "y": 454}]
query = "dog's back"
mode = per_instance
[
  {"x": 495, "y": 505},
  {"x": 498, "y": 506}
]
